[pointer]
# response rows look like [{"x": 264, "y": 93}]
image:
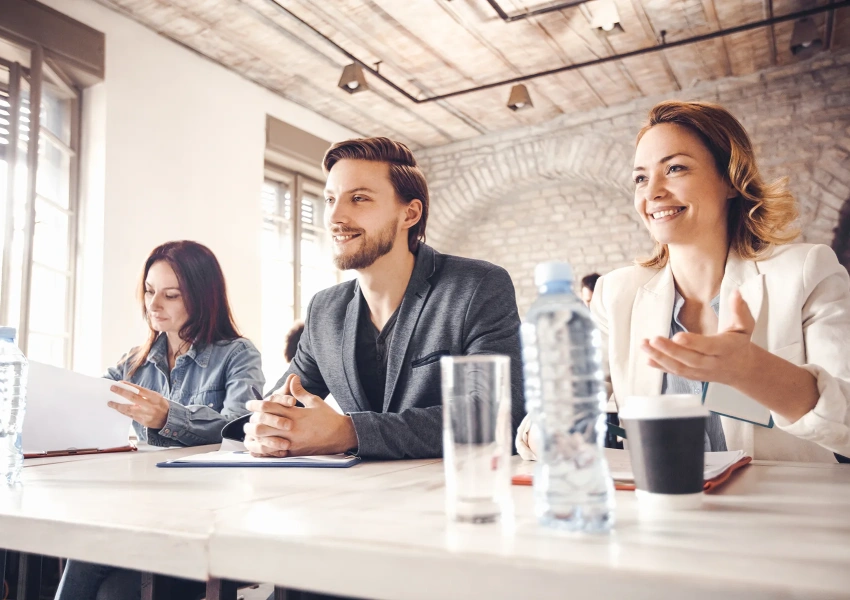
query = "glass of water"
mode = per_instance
[{"x": 477, "y": 436}]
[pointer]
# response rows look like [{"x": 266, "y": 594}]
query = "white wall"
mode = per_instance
[{"x": 173, "y": 149}]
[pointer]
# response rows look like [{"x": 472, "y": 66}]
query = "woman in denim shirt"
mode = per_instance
[{"x": 194, "y": 374}]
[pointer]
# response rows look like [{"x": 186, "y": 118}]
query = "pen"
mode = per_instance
[{"x": 259, "y": 396}]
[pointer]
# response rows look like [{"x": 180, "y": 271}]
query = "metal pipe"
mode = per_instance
[
  {"x": 649, "y": 50},
  {"x": 692, "y": 40}
]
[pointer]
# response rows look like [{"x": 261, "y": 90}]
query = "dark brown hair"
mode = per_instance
[
  {"x": 762, "y": 213},
  {"x": 292, "y": 339},
  {"x": 204, "y": 294},
  {"x": 589, "y": 281},
  {"x": 406, "y": 177}
]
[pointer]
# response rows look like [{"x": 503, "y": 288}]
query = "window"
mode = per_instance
[
  {"x": 296, "y": 258},
  {"x": 38, "y": 202}
]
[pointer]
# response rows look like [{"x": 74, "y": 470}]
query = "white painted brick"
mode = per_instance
[{"x": 563, "y": 190}]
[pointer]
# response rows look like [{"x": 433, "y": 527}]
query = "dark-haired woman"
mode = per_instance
[
  {"x": 195, "y": 371},
  {"x": 194, "y": 374}
]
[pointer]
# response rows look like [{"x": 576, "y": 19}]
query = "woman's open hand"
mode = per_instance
[{"x": 726, "y": 357}]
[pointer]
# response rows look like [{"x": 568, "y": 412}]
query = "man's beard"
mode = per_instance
[{"x": 371, "y": 249}]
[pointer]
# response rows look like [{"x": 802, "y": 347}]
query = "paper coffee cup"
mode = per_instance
[{"x": 666, "y": 440}]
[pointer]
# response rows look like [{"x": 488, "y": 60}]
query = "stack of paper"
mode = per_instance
[
  {"x": 67, "y": 410},
  {"x": 718, "y": 467},
  {"x": 716, "y": 463}
]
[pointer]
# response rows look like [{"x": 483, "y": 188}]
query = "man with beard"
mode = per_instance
[{"x": 375, "y": 342}]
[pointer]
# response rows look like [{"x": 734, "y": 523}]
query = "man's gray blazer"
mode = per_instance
[{"x": 452, "y": 306}]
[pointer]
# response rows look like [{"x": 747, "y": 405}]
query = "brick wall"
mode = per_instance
[{"x": 563, "y": 190}]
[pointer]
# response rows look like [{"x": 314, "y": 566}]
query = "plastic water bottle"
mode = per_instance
[
  {"x": 565, "y": 396},
  {"x": 13, "y": 401}
]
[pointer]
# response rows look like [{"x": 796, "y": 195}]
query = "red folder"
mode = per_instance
[{"x": 76, "y": 451}]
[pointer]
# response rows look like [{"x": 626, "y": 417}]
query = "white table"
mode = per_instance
[
  {"x": 121, "y": 510},
  {"x": 776, "y": 530},
  {"x": 378, "y": 530}
]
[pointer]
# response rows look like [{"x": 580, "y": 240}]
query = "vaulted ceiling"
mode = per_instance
[{"x": 427, "y": 48}]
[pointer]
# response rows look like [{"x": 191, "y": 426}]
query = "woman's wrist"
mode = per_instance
[{"x": 783, "y": 387}]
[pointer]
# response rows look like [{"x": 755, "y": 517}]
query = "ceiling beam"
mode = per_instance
[
  {"x": 829, "y": 28},
  {"x": 653, "y": 37},
  {"x": 648, "y": 50},
  {"x": 490, "y": 47},
  {"x": 711, "y": 14},
  {"x": 566, "y": 59},
  {"x": 603, "y": 39},
  {"x": 576, "y": 66},
  {"x": 771, "y": 31},
  {"x": 388, "y": 59}
]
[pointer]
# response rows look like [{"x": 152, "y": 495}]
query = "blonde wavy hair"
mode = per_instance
[{"x": 762, "y": 214}]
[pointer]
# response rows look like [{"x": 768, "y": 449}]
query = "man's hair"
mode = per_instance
[
  {"x": 589, "y": 281},
  {"x": 292, "y": 339},
  {"x": 406, "y": 177}
]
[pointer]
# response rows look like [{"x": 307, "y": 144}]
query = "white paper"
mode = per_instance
[
  {"x": 620, "y": 464},
  {"x": 728, "y": 401},
  {"x": 68, "y": 410},
  {"x": 228, "y": 445},
  {"x": 226, "y": 457}
]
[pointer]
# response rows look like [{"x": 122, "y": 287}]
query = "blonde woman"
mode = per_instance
[{"x": 725, "y": 297}]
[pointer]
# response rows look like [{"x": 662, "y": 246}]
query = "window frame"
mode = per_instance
[
  {"x": 42, "y": 74},
  {"x": 299, "y": 183}
]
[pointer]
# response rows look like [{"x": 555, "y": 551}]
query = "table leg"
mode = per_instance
[
  {"x": 29, "y": 577},
  {"x": 221, "y": 589},
  {"x": 4, "y": 587},
  {"x": 156, "y": 587},
  {"x": 285, "y": 594}
]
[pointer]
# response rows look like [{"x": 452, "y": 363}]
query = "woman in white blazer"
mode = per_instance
[{"x": 725, "y": 298}]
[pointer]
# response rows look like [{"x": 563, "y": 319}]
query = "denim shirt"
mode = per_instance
[
  {"x": 715, "y": 440},
  {"x": 208, "y": 387}
]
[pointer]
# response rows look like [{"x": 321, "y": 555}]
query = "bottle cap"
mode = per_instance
[
  {"x": 549, "y": 272},
  {"x": 8, "y": 333}
]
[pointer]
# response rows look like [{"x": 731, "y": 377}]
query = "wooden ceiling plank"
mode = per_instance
[
  {"x": 392, "y": 97},
  {"x": 388, "y": 106},
  {"x": 492, "y": 48},
  {"x": 653, "y": 37},
  {"x": 553, "y": 43},
  {"x": 387, "y": 56},
  {"x": 711, "y": 14},
  {"x": 603, "y": 40},
  {"x": 768, "y": 14},
  {"x": 841, "y": 29}
]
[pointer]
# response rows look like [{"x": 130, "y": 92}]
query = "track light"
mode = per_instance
[
  {"x": 605, "y": 16},
  {"x": 806, "y": 39},
  {"x": 353, "y": 80},
  {"x": 519, "y": 98}
]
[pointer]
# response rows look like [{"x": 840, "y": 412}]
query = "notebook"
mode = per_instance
[
  {"x": 719, "y": 466},
  {"x": 224, "y": 458},
  {"x": 729, "y": 402}
]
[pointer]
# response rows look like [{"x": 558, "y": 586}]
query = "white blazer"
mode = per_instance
[{"x": 800, "y": 298}]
